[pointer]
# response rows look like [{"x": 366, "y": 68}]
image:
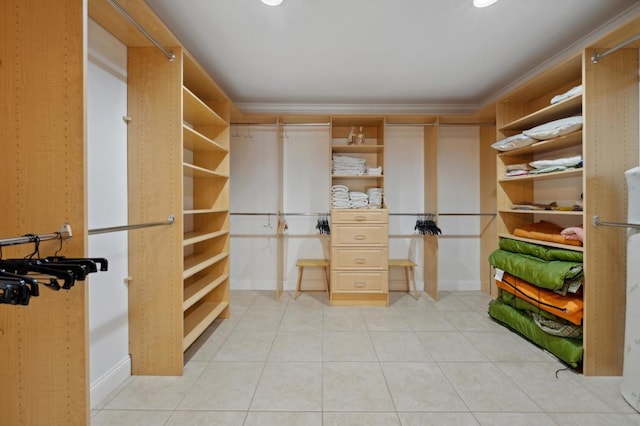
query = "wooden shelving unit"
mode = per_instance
[
  {"x": 359, "y": 237},
  {"x": 610, "y": 97},
  {"x": 179, "y": 156}
]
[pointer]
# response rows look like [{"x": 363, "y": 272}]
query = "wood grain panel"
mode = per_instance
[{"x": 44, "y": 345}]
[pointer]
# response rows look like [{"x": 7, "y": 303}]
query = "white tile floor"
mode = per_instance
[{"x": 303, "y": 362}]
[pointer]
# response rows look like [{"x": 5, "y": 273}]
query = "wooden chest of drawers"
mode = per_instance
[{"x": 359, "y": 257}]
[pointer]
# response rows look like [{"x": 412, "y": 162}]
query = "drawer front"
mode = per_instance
[
  {"x": 344, "y": 258},
  {"x": 353, "y": 282},
  {"x": 359, "y": 216},
  {"x": 360, "y": 235}
]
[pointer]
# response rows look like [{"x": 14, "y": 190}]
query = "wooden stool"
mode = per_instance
[
  {"x": 408, "y": 266},
  {"x": 312, "y": 263}
]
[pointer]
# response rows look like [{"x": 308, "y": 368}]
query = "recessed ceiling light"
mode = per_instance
[
  {"x": 480, "y": 3},
  {"x": 272, "y": 2}
]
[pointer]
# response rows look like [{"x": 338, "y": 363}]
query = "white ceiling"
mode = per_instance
[{"x": 406, "y": 56}]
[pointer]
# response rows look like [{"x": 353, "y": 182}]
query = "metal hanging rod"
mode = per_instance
[
  {"x": 442, "y": 214},
  {"x": 305, "y": 214},
  {"x": 597, "y": 56},
  {"x": 466, "y": 214},
  {"x": 252, "y": 214},
  {"x": 437, "y": 124},
  {"x": 170, "y": 220},
  {"x": 170, "y": 56},
  {"x": 598, "y": 222},
  {"x": 281, "y": 214},
  {"x": 281, "y": 124},
  {"x": 64, "y": 234}
]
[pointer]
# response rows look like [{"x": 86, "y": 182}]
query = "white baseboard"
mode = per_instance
[{"x": 110, "y": 381}]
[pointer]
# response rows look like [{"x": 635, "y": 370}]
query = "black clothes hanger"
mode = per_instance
[
  {"x": 425, "y": 225},
  {"x": 323, "y": 225}
]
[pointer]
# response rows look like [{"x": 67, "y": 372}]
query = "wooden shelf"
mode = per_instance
[
  {"x": 195, "y": 141},
  {"x": 201, "y": 172},
  {"x": 548, "y": 212},
  {"x": 204, "y": 211},
  {"x": 566, "y": 108},
  {"x": 195, "y": 237},
  {"x": 197, "y": 113},
  {"x": 357, "y": 176},
  {"x": 196, "y": 263},
  {"x": 199, "y": 319},
  {"x": 197, "y": 290},
  {"x": 567, "y": 141},
  {"x": 544, "y": 176},
  {"x": 356, "y": 149},
  {"x": 543, "y": 243}
]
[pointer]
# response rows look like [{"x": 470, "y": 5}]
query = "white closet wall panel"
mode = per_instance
[
  {"x": 109, "y": 361},
  {"x": 458, "y": 192},
  {"x": 404, "y": 193},
  {"x": 306, "y": 185},
  {"x": 254, "y": 189}
]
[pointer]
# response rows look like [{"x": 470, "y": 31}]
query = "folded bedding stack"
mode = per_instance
[
  {"x": 375, "y": 198},
  {"x": 540, "y": 295},
  {"x": 374, "y": 171},
  {"x": 340, "y": 197},
  {"x": 358, "y": 200},
  {"x": 343, "y": 165}
]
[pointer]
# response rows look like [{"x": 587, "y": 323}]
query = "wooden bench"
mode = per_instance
[
  {"x": 409, "y": 273},
  {"x": 312, "y": 263}
]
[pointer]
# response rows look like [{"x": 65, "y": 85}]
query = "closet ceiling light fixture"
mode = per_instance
[
  {"x": 480, "y": 3},
  {"x": 272, "y": 2}
]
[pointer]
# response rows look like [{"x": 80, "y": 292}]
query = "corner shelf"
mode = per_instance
[
  {"x": 566, "y": 108},
  {"x": 543, "y": 243}
]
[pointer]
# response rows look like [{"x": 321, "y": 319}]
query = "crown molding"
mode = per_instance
[{"x": 351, "y": 108}]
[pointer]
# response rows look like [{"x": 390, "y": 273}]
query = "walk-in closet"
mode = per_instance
[{"x": 174, "y": 251}]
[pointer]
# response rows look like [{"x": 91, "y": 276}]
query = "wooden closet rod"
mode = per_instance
[
  {"x": 170, "y": 56},
  {"x": 64, "y": 234},
  {"x": 597, "y": 56}
]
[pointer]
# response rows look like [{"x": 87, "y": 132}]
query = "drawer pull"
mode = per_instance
[
  {"x": 359, "y": 260},
  {"x": 360, "y": 218},
  {"x": 360, "y": 237},
  {"x": 359, "y": 284}
]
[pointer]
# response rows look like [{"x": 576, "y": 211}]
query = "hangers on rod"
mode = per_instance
[
  {"x": 323, "y": 224},
  {"x": 426, "y": 225},
  {"x": 19, "y": 278}
]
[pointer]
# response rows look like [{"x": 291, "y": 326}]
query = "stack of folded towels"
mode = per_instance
[
  {"x": 344, "y": 165},
  {"x": 358, "y": 200},
  {"x": 374, "y": 171},
  {"x": 340, "y": 197},
  {"x": 375, "y": 198}
]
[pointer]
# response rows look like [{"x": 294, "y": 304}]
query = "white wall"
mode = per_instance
[
  {"x": 109, "y": 362},
  {"x": 404, "y": 193},
  {"x": 458, "y": 192}
]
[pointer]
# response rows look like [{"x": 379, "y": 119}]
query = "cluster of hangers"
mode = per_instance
[
  {"x": 425, "y": 225},
  {"x": 20, "y": 278},
  {"x": 323, "y": 224}
]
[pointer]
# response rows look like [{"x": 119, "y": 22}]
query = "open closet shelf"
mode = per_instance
[
  {"x": 356, "y": 176},
  {"x": 204, "y": 211},
  {"x": 200, "y": 288},
  {"x": 196, "y": 237},
  {"x": 543, "y": 243},
  {"x": 364, "y": 149},
  {"x": 566, "y": 141},
  {"x": 201, "y": 172},
  {"x": 197, "y": 112},
  {"x": 196, "y": 263},
  {"x": 544, "y": 176},
  {"x": 547, "y": 212},
  {"x": 562, "y": 109},
  {"x": 195, "y": 141},
  {"x": 197, "y": 320}
]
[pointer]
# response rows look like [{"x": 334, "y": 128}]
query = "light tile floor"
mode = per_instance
[{"x": 417, "y": 362}]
